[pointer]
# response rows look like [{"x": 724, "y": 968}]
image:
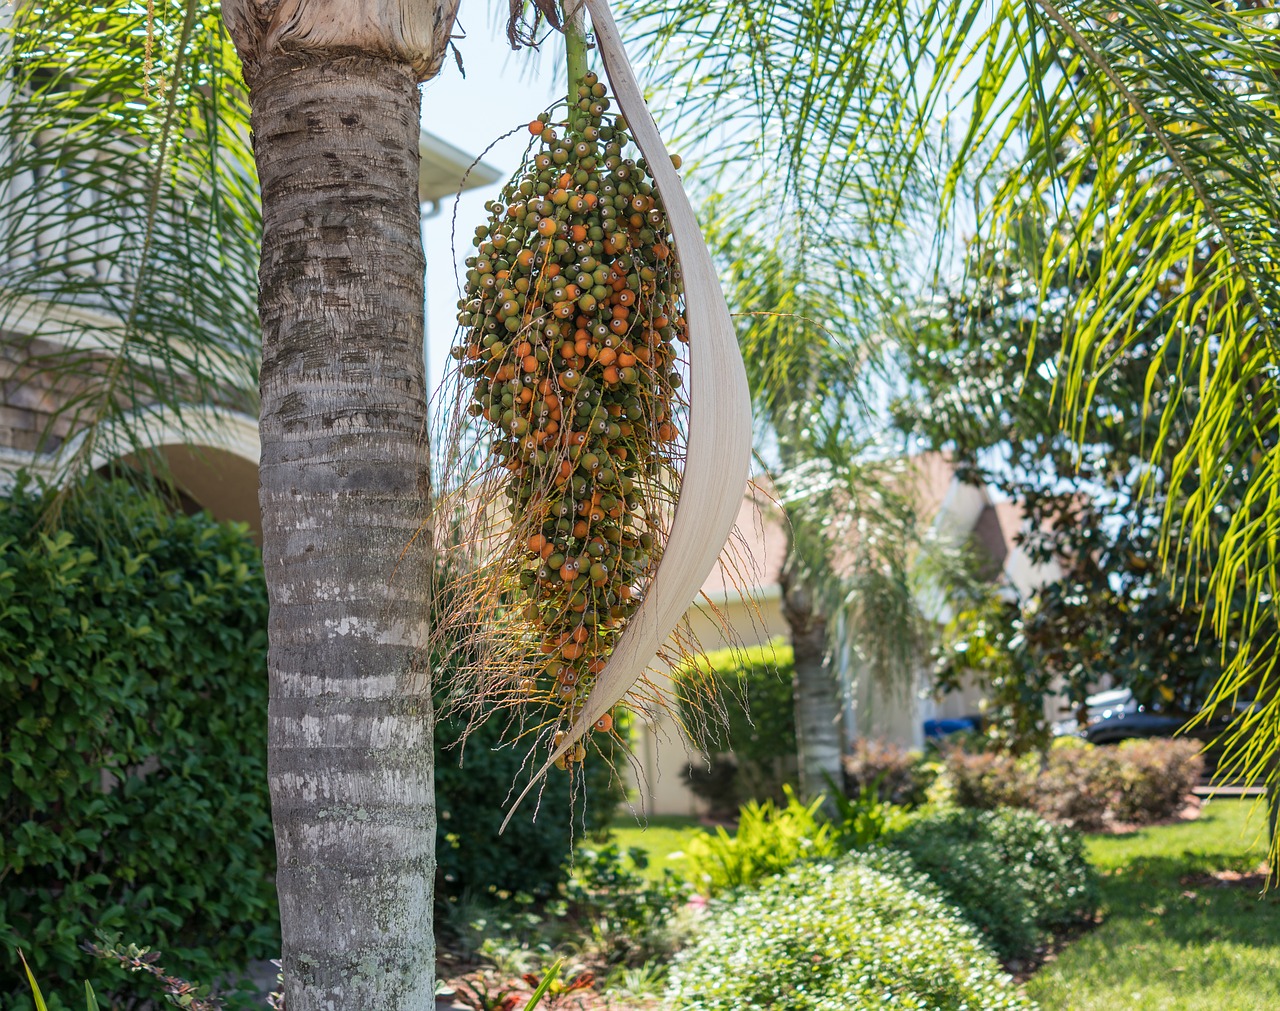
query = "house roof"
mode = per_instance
[
  {"x": 754, "y": 556},
  {"x": 443, "y": 170}
]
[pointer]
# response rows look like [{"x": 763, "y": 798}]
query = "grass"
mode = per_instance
[
  {"x": 1172, "y": 937},
  {"x": 662, "y": 836}
]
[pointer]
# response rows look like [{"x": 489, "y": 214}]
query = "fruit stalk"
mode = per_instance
[{"x": 575, "y": 45}]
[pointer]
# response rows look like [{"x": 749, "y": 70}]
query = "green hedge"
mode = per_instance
[
  {"x": 743, "y": 697},
  {"x": 1010, "y": 873},
  {"x": 863, "y": 933},
  {"x": 133, "y": 792}
]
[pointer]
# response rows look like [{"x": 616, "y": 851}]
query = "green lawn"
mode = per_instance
[
  {"x": 663, "y": 836},
  {"x": 1171, "y": 938}
]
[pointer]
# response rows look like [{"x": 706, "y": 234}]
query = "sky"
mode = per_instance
[{"x": 502, "y": 91}]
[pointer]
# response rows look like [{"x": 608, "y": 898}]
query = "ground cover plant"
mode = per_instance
[
  {"x": 1184, "y": 925},
  {"x": 858, "y": 932},
  {"x": 613, "y": 926}
]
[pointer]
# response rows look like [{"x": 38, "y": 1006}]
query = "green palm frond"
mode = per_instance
[
  {"x": 128, "y": 221},
  {"x": 1160, "y": 139}
]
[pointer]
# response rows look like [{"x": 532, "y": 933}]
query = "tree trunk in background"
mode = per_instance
[
  {"x": 817, "y": 698},
  {"x": 343, "y": 487}
]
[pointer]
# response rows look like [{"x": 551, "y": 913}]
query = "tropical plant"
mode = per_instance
[{"x": 769, "y": 839}]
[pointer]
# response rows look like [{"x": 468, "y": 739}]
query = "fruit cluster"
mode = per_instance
[{"x": 569, "y": 323}]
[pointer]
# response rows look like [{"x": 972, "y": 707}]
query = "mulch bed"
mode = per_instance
[{"x": 471, "y": 984}]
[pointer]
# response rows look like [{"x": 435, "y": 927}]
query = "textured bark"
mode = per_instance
[
  {"x": 817, "y": 698},
  {"x": 343, "y": 478}
]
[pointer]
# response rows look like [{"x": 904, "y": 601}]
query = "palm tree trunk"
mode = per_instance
[
  {"x": 817, "y": 699},
  {"x": 343, "y": 483}
]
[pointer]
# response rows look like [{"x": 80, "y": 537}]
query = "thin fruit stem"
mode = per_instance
[{"x": 575, "y": 45}]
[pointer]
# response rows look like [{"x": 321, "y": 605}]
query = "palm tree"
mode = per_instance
[
  {"x": 333, "y": 90},
  {"x": 801, "y": 206}
]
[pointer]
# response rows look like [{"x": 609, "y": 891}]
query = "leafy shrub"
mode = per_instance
[
  {"x": 768, "y": 841},
  {"x": 757, "y": 713},
  {"x": 1010, "y": 873},
  {"x": 852, "y": 934},
  {"x": 715, "y": 780},
  {"x": 1155, "y": 777},
  {"x": 133, "y": 780},
  {"x": 630, "y": 921},
  {"x": 1080, "y": 784},
  {"x": 898, "y": 775},
  {"x": 472, "y": 779},
  {"x": 988, "y": 780}
]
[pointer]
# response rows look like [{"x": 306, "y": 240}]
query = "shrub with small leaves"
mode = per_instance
[
  {"x": 988, "y": 780},
  {"x": 863, "y": 933},
  {"x": 757, "y": 717},
  {"x": 1078, "y": 786},
  {"x": 133, "y": 780},
  {"x": 472, "y": 855},
  {"x": 1011, "y": 874},
  {"x": 1155, "y": 777}
]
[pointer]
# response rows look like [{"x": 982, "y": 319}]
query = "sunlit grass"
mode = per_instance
[
  {"x": 1173, "y": 938},
  {"x": 662, "y": 836}
]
